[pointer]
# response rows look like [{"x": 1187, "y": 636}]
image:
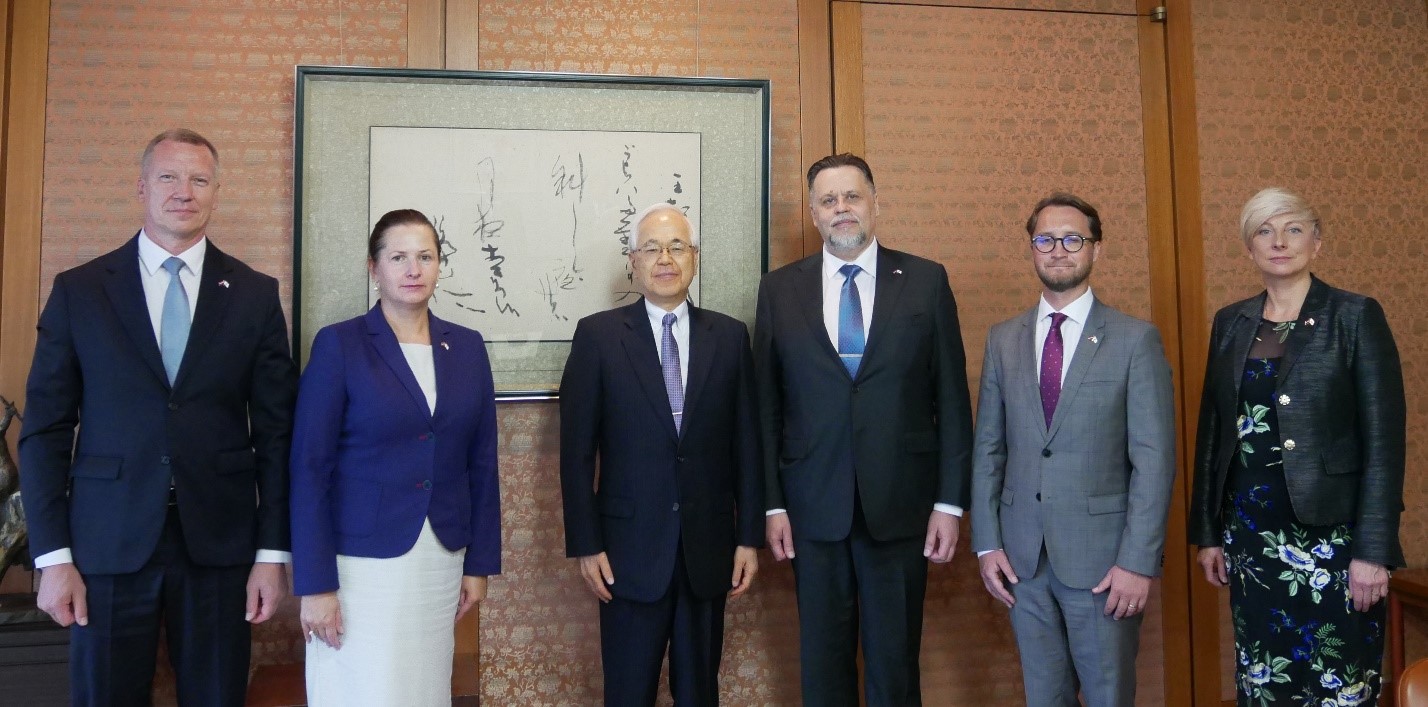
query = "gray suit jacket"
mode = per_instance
[{"x": 1095, "y": 487}]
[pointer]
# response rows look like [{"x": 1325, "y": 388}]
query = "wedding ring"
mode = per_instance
[{"x": 1132, "y": 606}]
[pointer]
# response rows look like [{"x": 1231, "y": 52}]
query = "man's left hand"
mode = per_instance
[
  {"x": 942, "y": 529},
  {"x": 267, "y": 585},
  {"x": 746, "y": 565},
  {"x": 1129, "y": 592}
]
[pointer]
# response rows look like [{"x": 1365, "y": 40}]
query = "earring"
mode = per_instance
[
  {"x": 437, "y": 286},
  {"x": 374, "y": 287}
]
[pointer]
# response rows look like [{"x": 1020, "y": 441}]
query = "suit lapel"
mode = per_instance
[
  {"x": 126, "y": 295},
  {"x": 444, "y": 363},
  {"x": 1025, "y": 347},
  {"x": 701, "y": 359},
  {"x": 810, "y": 300},
  {"x": 888, "y": 290},
  {"x": 213, "y": 302},
  {"x": 384, "y": 340},
  {"x": 1314, "y": 310},
  {"x": 1083, "y": 353},
  {"x": 639, "y": 346},
  {"x": 1242, "y": 339}
]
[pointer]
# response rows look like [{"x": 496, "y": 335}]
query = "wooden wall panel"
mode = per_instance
[
  {"x": 971, "y": 116},
  {"x": 1328, "y": 100}
]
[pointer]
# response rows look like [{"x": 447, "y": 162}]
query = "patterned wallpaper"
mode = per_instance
[
  {"x": 1327, "y": 99},
  {"x": 965, "y": 134}
]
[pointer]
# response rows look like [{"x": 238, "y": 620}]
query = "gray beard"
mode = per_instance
[{"x": 847, "y": 243}]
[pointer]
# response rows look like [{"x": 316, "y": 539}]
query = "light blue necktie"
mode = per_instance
[
  {"x": 174, "y": 324},
  {"x": 850, "y": 321},
  {"x": 669, "y": 366}
]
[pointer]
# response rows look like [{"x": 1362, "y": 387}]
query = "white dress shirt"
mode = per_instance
[
  {"x": 680, "y": 331},
  {"x": 866, "y": 282},
  {"x": 1076, "y": 314},
  {"x": 155, "y": 280},
  {"x": 423, "y": 366}
]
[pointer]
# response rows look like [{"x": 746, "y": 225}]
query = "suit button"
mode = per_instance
[
  {"x": 173, "y": 406},
  {"x": 1289, "y": 444},
  {"x": 1038, "y": 495},
  {"x": 164, "y": 460},
  {"x": 1046, "y": 452},
  {"x": 423, "y": 437},
  {"x": 676, "y": 507},
  {"x": 426, "y": 485},
  {"x": 1284, "y": 400}
]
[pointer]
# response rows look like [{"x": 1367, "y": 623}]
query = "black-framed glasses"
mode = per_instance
[
  {"x": 1046, "y": 244},
  {"x": 676, "y": 249}
]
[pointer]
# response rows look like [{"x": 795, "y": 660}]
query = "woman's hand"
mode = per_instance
[
  {"x": 321, "y": 618},
  {"x": 1368, "y": 583},
  {"x": 1212, "y": 560},
  {"x": 473, "y": 592}
]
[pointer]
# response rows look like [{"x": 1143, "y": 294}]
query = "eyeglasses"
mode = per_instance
[
  {"x": 676, "y": 249},
  {"x": 1046, "y": 244}
]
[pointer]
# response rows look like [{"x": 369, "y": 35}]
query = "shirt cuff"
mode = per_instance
[
  {"x": 54, "y": 557},
  {"x": 277, "y": 557},
  {"x": 774, "y": 511},
  {"x": 986, "y": 552},
  {"x": 948, "y": 508}
]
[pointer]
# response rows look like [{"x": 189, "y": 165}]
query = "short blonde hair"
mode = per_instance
[{"x": 1272, "y": 202}]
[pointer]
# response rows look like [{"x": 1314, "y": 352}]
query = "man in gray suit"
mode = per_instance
[{"x": 1072, "y": 470}]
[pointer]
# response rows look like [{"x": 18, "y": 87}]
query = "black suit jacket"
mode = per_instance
[
  {"x": 221, "y": 432},
  {"x": 899, "y": 434},
  {"x": 660, "y": 490},
  {"x": 1339, "y": 401}
]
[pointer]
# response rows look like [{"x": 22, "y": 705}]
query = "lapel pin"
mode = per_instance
[
  {"x": 897, "y": 272},
  {"x": 1309, "y": 321},
  {"x": 445, "y": 346},
  {"x": 223, "y": 284},
  {"x": 1092, "y": 339}
]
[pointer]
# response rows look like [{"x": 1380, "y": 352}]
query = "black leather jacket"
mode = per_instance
[{"x": 1339, "y": 400}]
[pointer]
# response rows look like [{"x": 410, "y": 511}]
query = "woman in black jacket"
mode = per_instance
[{"x": 1299, "y": 470}]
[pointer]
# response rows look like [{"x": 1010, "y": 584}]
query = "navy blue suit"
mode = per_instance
[
  {"x": 370, "y": 462},
  {"x": 671, "y": 506},
  {"x": 219, "y": 435}
]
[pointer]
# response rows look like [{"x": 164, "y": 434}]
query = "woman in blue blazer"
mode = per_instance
[{"x": 395, "y": 505}]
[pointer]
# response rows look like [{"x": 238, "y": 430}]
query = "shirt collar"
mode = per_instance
[
  {"x": 1077, "y": 311},
  {"x": 152, "y": 257},
  {"x": 657, "y": 313},
  {"x": 867, "y": 260}
]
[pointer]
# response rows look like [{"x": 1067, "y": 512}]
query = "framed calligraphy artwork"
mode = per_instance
[{"x": 532, "y": 181}]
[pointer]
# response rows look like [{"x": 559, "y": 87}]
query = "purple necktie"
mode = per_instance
[
  {"x": 1051, "y": 354},
  {"x": 669, "y": 365}
]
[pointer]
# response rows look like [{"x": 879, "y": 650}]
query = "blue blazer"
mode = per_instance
[{"x": 370, "y": 462}]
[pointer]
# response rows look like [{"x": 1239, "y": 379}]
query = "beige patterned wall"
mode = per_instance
[
  {"x": 539, "y": 633},
  {"x": 971, "y": 116},
  {"x": 1327, "y": 99}
]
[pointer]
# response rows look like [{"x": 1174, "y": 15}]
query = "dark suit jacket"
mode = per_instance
[
  {"x": 371, "y": 463},
  {"x": 1339, "y": 401},
  {"x": 658, "y": 490},
  {"x": 899, "y": 435},
  {"x": 221, "y": 432}
]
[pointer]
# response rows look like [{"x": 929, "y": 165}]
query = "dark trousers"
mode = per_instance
[
  {"x": 855, "y": 585},
  {"x": 201, "y": 609},
  {"x": 634, "y": 635}
]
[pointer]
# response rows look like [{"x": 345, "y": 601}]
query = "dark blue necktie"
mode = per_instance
[{"x": 850, "y": 321}]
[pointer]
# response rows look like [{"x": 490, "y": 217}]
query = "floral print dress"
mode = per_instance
[{"x": 1298, "y": 640}]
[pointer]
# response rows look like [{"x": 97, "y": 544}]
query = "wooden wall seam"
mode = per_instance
[
  {"x": 815, "y": 98},
  {"x": 426, "y": 29},
  {"x": 848, "y": 104}
]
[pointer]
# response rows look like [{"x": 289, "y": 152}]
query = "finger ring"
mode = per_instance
[
  {"x": 312, "y": 634},
  {"x": 1132, "y": 606}
]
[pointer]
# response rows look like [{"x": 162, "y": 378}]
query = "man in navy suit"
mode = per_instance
[
  {"x": 866, "y": 439},
  {"x": 659, "y": 396},
  {"x": 155, "y": 448}
]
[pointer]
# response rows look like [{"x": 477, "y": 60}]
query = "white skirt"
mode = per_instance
[{"x": 398, "y": 620}]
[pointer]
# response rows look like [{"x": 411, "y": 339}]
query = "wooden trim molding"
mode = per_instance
[
  {"x": 848, "y": 132},
  {"x": 463, "y": 34},
  {"x": 815, "y": 98},
  {"x": 22, "y": 152},
  {"x": 426, "y": 30}
]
